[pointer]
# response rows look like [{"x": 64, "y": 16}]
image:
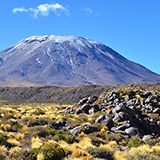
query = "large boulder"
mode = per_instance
[
  {"x": 107, "y": 121},
  {"x": 84, "y": 128},
  {"x": 132, "y": 131}
]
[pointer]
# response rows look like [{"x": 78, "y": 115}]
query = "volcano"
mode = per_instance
[{"x": 68, "y": 61}]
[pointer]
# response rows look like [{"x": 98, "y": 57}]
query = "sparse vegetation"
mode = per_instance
[{"x": 42, "y": 131}]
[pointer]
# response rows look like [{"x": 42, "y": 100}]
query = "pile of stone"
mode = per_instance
[{"x": 134, "y": 114}]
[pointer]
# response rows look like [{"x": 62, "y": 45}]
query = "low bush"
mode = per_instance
[
  {"x": 51, "y": 151},
  {"x": 70, "y": 139},
  {"x": 3, "y": 138},
  {"x": 97, "y": 141},
  {"x": 24, "y": 154},
  {"x": 17, "y": 126},
  {"x": 3, "y": 156},
  {"x": 39, "y": 111},
  {"x": 8, "y": 116},
  {"x": 142, "y": 156},
  {"x": 135, "y": 142},
  {"x": 101, "y": 153}
]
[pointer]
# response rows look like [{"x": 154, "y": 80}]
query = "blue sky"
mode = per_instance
[{"x": 131, "y": 27}]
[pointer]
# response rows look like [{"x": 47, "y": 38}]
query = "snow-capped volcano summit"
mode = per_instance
[{"x": 68, "y": 61}]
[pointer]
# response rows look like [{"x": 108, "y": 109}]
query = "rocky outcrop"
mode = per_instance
[{"x": 131, "y": 113}]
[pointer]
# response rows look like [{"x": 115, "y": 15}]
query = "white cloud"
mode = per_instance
[
  {"x": 88, "y": 10},
  {"x": 15, "y": 10},
  {"x": 44, "y": 10}
]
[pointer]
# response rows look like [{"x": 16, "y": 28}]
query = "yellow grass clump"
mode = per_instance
[
  {"x": 66, "y": 146},
  {"x": 19, "y": 136},
  {"x": 3, "y": 149},
  {"x": 23, "y": 129},
  {"x": 74, "y": 146},
  {"x": 155, "y": 150},
  {"x": 143, "y": 148},
  {"x": 79, "y": 153},
  {"x": 82, "y": 134},
  {"x": 36, "y": 142},
  {"x": 13, "y": 141},
  {"x": 120, "y": 156},
  {"x": 89, "y": 119},
  {"x": 40, "y": 156},
  {"x": 7, "y": 127},
  {"x": 11, "y": 135},
  {"x": 86, "y": 143},
  {"x": 112, "y": 145},
  {"x": 15, "y": 149},
  {"x": 104, "y": 129}
]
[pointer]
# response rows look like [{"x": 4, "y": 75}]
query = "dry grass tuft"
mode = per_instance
[{"x": 86, "y": 143}]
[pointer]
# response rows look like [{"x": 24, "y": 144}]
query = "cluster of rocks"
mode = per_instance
[{"x": 133, "y": 114}]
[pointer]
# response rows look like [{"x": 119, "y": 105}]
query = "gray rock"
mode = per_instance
[
  {"x": 124, "y": 116},
  {"x": 123, "y": 126},
  {"x": 84, "y": 128},
  {"x": 100, "y": 118},
  {"x": 156, "y": 110},
  {"x": 148, "y": 100},
  {"x": 89, "y": 129},
  {"x": 108, "y": 122},
  {"x": 82, "y": 101},
  {"x": 127, "y": 98},
  {"x": 95, "y": 108},
  {"x": 147, "y": 137},
  {"x": 78, "y": 111},
  {"x": 146, "y": 94},
  {"x": 76, "y": 130},
  {"x": 116, "y": 109},
  {"x": 92, "y": 99},
  {"x": 117, "y": 118},
  {"x": 85, "y": 108},
  {"x": 132, "y": 131}
]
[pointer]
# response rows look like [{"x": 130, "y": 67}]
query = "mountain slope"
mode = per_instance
[{"x": 68, "y": 61}]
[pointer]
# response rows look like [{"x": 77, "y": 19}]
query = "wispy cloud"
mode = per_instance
[
  {"x": 44, "y": 10},
  {"x": 15, "y": 10},
  {"x": 88, "y": 10}
]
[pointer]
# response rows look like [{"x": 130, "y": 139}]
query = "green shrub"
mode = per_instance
[
  {"x": 97, "y": 141},
  {"x": 135, "y": 142},
  {"x": 39, "y": 111},
  {"x": 153, "y": 142},
  {"x": 33, "y": 122},
  {"x": 43, "y": 133},
  {"x": 101, "y": 153},
  {"x": 65, "y": 117},
  {"x": 114, "y": 137},
  {"x": 17, "y": 126},
  {"x": 70, "y": 139},
  {"x": 125, "y": 141},
  {"x": 52, "y": 151},
  {"x": 24, "y": 154},
  {"x": 44, "y": 120},
  {"x": 142, "y": 156},
  {"x": 8, "y": 116},
  {"x": 3, "y": 138},
  {"x": 50, "y": 130},
  {"x": 158, "y": 144}
]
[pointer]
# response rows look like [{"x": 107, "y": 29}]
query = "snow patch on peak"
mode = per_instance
[
  {"x": 73, "y": 40},
  {"x": 36, "y": 38},
  {"x": 38, "y": 61}
]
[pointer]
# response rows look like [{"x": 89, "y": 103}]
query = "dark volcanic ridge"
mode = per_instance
[
  {"x": 68, "y": 61},
  {"x": 58, "y": 94}
]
